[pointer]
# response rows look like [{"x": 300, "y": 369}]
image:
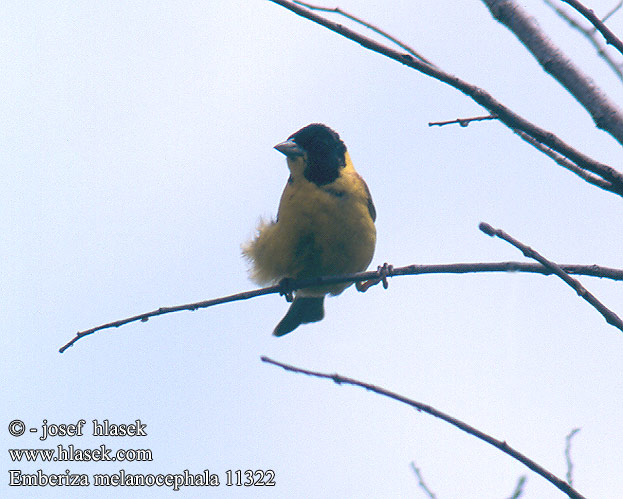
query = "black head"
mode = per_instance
[{"x": 325, "y": 152}]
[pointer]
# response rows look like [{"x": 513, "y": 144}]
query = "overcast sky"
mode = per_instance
[{"x": 136, "y": 151}]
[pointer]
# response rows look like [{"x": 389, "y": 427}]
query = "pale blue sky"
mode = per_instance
[{"x": 137, "y": 156}]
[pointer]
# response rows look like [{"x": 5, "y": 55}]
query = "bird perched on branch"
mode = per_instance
[{"x": 324, "y": 226}]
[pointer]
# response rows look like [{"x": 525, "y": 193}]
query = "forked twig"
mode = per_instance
[
  {"x": 590, "y": 35},
  {"x": 479, "y": 95},
  {"x": 499, "y": 444},
  {"x": 569, "y": 165},
  {"x": 609, "y": 36},
  {"x": 448, "y": 268},
  {"x": 368, "y": 25},
  {"x": 609, "y": 315},
  {"x": 605, "y": 112}
]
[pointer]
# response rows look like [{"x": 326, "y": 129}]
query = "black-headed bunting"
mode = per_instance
[{"x": 324, "y": 226}]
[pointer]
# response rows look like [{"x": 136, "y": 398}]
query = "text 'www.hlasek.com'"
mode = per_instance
[{"x": 61, "y": 453}]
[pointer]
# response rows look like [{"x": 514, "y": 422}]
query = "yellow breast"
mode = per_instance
[{"x": 320, "y": 230}]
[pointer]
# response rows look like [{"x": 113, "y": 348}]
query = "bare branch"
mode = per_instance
[
  {"x": 482, "y": 97},
  {"x": 609, "y": 315},
  {"x": 421, "y": 482},
  {"x": 368, "y": 25},
  {"x": 463, "y": 121},
  {"x": 533, "y": 268},
  {"x": 558, "y": 158},
  {"x": 604, "y": 112},
  {"x": 568, "y": 438},
  {"x": 452, "y": 268},
  {"x": 167, "y": 310},
  {"x": 609, "y": 36},
  {"x": 590, "y": 35},
  {"x": 498, "y": 444},
  {"x": 569, "y": 165}
]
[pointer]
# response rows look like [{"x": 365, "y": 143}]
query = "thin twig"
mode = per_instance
[
  {"x": 568, "y": 438},
  {"x": 611, "y": 318},
  {"x": 479, "y": 95},
  {"x": 609, "y": 36},
  {"x": 590, "y": 35},
  {"x": 499, "y": 444},
  {"x": 421, "y": 481},
  {"x": 569, "y": 165},
  {"x": 532, "y": 268},
  {"x": 451, "y": 268},
  {"x": 463, "y": 121},
  {"x": 614, "y": 9},
  {"x": 368, "y": 25},
  {"x": 167, "y": 310},
  {"x": 519, "y": 488}
]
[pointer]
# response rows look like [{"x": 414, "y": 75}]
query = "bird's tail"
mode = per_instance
[{"x": 304, "y": 309}]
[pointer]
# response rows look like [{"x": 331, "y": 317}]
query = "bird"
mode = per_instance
[{"x": 324, "y": 224}]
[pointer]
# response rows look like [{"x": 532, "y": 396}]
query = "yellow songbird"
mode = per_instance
[{"x": 324, "y": 226}]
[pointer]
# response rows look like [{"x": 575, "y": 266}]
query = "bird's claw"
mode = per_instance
[
  {"x": 286, "y": 289},
  {"x": 383, "y": 271}
]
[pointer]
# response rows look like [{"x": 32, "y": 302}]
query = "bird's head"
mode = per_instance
[{"x": 316, "y": 152}]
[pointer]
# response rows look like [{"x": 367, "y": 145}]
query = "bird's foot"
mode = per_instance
[{"x": 383, "y": 271}]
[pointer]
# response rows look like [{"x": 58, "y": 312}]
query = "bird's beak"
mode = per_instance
[{"x": 289, "y": 148}]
